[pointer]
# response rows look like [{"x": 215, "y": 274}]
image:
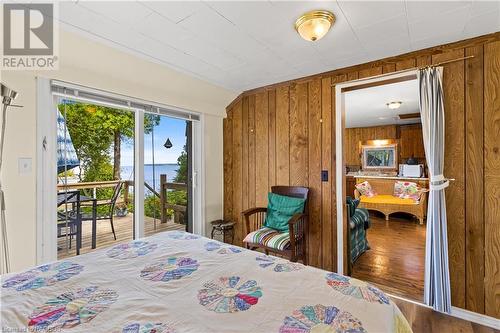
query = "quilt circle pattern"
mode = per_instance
[
  {"x": 41, "y": 276},
  {"x": 148, "y": 328},
  {"x": 229, "y": 294},
  {"x": 131, "y": 250},
  {"x": 221, "y": 248},
  {"x": 321, "y": 319},
  {"x": 71, "y": 309},
  {"x": 276, "y": 265},
  {"x": 356, "y": 288},
  {"x": 182, "y": 235},
  {"x": 171, "y": 268}
]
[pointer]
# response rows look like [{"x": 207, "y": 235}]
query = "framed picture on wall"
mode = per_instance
[{"x": 383, "y": 157}]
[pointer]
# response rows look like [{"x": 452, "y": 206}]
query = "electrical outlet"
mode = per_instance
[
  {"x": 24, "y": 165},
  {"x": 324, "y": 175}
]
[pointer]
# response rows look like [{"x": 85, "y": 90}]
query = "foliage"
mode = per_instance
[
  {"x": 152, "y": 206},
  {"x": 177, "y": 198},
  {"x": 182, "y": 172},
  {"x": 93, "y": 129},
  {"x": 152, "y": 203}
]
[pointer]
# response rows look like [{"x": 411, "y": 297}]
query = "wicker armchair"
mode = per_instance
[{"x": 293, "y": 244}]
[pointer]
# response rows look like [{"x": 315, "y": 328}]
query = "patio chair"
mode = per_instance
[
  {"x": 291, "y": 244},
  {"x": 110, "y": 203},
  {"x": 70, "y": 224}
]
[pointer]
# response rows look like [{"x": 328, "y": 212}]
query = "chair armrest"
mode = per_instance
[
  {"x": 297, "y": 228},
  {"x": 296, "y": 218},
  {"x": 296, "y": 225},
  {"x": 251, "y": 211},
  {"x": 359, "y": 219},
  {"x": 246, "y": 214}
]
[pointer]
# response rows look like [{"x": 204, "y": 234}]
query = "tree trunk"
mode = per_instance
[{"x": 117, "y": 155}]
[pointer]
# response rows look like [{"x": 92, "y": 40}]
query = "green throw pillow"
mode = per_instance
[{"x": 280, "y": 210}]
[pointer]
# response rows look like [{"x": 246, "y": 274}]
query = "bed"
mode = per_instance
[{"x": 180, "y": 282}]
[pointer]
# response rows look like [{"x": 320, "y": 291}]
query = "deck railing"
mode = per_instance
[{"x": 179, "y": 210}]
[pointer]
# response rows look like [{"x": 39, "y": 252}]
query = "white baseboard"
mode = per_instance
[
  {"x": 461, "y": 314},
  {"x": 475, "y": 317}
]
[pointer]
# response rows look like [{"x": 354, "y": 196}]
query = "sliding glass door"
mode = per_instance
[
  {"x": 95, "y": 173},
  {"x": 167, "y": 174},
  {"x": 96, "y": 176}
]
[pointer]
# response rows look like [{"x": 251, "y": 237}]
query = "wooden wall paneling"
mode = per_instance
[
  {"x": 314, "y": 172},
  {"x": 261, "y": 149},
  {"x": 405, "y": 64},
  {"x": 298, "y": 134},
  {"x": 283, "y": 135},
  {"x": 272, "y": 138},
  {"x": 237, "y": 171},
  {"x": 350, "y": 76},
  {"x": 466, "y": 206},
  {"x": 424, "y": 60},
  {"x": 353, "y": 136},
  {"x": 411, "y": 142},
  {"x": 492, "y": 177},
  {"x": 327, "y": 215},
  {"x": 228, "y": 169},
  {"x": 454, "y": 167},
  {"x": 244, "y": 149},
  {"x": 474, "y": 190},
  {"x": 388, "y": 68},
  {"x": 368, "y": 72},
  {"x": 251, "y": 151},
  {"x": 358, "y": 136}
]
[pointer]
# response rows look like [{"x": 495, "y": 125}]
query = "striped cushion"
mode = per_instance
[{"x": 270, "y": 238}]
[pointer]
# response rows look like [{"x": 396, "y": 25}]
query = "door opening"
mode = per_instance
[
  {"x": 112, "y": 169},
  {"x": 383, "y": 179}
]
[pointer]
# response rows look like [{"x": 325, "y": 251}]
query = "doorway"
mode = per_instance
[
  {"x": 381, "y": 219},
  {"x": 112, "y": 169}
]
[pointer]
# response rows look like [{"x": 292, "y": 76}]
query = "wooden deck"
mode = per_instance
[{"x": 123, "y": 229}]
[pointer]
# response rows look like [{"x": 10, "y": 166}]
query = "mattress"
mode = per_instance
[{"x": 180, "y": 282}]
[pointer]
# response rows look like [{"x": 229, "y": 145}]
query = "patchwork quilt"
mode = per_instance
[{"x": 180, "y": 282}]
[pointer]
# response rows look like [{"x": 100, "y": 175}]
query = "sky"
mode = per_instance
[{"x": 172, "y": 128}]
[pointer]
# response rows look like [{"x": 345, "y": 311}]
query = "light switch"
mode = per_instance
[{"x": 24, "y": 165}]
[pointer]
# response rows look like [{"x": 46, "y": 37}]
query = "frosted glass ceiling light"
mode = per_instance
[
  {"x": 394, "y": 105},
  {"x": 314, "y": 25}
]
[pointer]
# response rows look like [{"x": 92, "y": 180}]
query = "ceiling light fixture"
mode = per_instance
[
  {"x": 314, "y": 25},
  {"x": 394, "y": 105}
]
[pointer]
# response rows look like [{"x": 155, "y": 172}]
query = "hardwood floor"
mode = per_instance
[
  {"x": 123, "y": 229},
  {"x": 396, "y": 260}
]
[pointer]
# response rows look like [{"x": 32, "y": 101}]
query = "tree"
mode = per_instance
[
  {"x": 94, "y": 129},
  {"x": 182, "y": 172}
]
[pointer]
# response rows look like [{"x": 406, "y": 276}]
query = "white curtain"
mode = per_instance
[{"x": 437, "y": 274}]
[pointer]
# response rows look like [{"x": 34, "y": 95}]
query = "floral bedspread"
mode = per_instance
[{"x": 180, "y": 282}]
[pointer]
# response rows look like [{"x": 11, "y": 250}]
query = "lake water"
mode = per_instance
[{"x": 127, "y": 173}]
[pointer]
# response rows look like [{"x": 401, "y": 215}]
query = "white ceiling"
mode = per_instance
[
  {"x": 368, "y": 107},
  {"x": 242, "y": 45}
]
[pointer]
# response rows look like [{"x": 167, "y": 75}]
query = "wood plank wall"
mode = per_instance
[
  {"x": 284, "y": 134},
  {"x": 410, "y": 141},
  {"x": 353, "y": 137}
]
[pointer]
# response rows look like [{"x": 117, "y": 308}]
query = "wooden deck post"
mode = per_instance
[
  {"x": 163, "y": 198},
  {"x": 125, "y": 193}
]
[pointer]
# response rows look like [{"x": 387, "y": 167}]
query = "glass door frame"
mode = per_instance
[{"x": 46, "y": 193}]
